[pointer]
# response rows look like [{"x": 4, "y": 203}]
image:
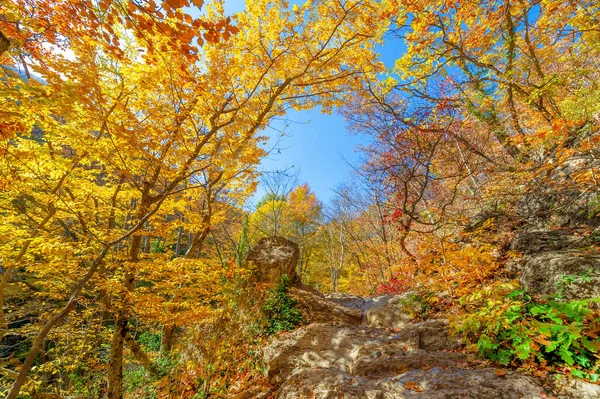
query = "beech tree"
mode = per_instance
[{"x": 129, "y": 137}]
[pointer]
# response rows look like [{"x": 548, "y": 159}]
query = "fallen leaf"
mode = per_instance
[{"x": 413, "y": 386}]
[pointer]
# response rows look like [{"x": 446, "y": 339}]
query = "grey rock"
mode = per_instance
[
  {"x": 323, "y": 384},
  {"x": 317, "y": 309},
  {"x": 565, "y": 204},
  {"x": 544, "y": 273},
  {"x": 387, "y": 311},
  {"x": 430, "y": 335},
  {"x": 570, "y": 388},
  {"x": 337, "y": 360},
  {"x": 539, "y": 241},
  {"x": 317, "y": 345},
  {"x": 441, "y": 383},
  {"x": 324, "y": 361},
  {"x": 348, "y": 300},
  {"x": 557, "y": 262}
]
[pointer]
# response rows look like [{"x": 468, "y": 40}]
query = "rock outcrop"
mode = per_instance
[
  {"x": 272, "y": 258},
  {"x": 558, "y": 263},
  {"x": 557, "y": 200},
  {"x": 558, "y": 260},
  {"x": 568, "y": 274},
  {"x": 317, "y": 309}
]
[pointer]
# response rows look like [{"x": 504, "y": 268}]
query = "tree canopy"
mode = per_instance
[{"x": 131, "y": 132}]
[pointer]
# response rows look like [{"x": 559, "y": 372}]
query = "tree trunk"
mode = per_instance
[
  {"x": 41, "y": 338},
  {"x": 166, "y": 341},
  {"x": 178, "y": 245},
  {"x": 115, "y": 366},
  {"x": 4, "y": 43},
  {"x": 141, "y": 356},
  {"x": 115, "y": 369},
  {"x": 199, "y": 237}
]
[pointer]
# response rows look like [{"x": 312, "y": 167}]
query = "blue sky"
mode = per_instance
[{"x": 317, "y": 144}]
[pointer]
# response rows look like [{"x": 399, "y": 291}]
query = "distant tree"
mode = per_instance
[
  {"x": 304, "y": 217},
  {"x": 268, "y": 217}
]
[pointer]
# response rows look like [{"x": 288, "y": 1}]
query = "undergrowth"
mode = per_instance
[
  {"x": 279, "y": 310},
  {"x": 509, "y": 327}
]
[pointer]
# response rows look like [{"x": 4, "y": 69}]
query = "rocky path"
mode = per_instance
[{"x": 370, "y": 348}]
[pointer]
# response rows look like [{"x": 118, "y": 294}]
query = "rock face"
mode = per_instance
[
  {"x": 573, "y": 274},
  {"x": 532, "y": 242},
  {"x": 333, "y": 360},
  {"x": 274, "y": 257},
  {"x": 554, "y": 214},
  {"x": 558, "y": 262},
  {"x": 559, "y": 201}
]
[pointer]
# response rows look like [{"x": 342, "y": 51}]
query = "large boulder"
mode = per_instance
[
  {"x": 557, "y": 263},
  {"x": 272, "y": 258},
  {"x": 317, "y": 309}
]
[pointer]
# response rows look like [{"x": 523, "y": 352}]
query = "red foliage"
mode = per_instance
[{"x": 395, "y": 285}]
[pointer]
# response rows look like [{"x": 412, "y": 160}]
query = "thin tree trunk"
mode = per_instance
[
  {"x": 200, "y": 236},
  {"x": 178, "y": 245},
  {"x": 115, "y": 367},
  {"x": 166, "y": 341},
  {"x": 39, "y": 340}
]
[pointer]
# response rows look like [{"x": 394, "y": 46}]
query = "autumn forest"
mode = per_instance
[{"x": 131, "y": 139}]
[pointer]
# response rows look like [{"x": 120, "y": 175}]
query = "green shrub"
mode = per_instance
[
  {"x": 280, "y": 310},
  {"x": 150, "y": 341},
  {"x": 138, "y": 383},
  {"x": 420, "y": 305},
  {"x": 548, "y": 335}
]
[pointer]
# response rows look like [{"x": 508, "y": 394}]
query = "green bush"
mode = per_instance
[
  {"x": 544, "y": 334},
  {"x": 150, "y": 341},
  {"x": 279, "y": 309},
  {"x": 139, "y": 383}
]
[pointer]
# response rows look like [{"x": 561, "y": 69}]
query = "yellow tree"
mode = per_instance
[
  {"x": 507, "y": 74},
  {"x": 303, "y": 220},
  {"x": 117, "y": 141}
]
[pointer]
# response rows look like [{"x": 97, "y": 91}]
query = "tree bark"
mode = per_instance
[
  {"x": 141, "y": 356},
  {"x": 166, "y": 341},
  {"x": 115, "y": 367},
  {"x": 4, "y": 43}
]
